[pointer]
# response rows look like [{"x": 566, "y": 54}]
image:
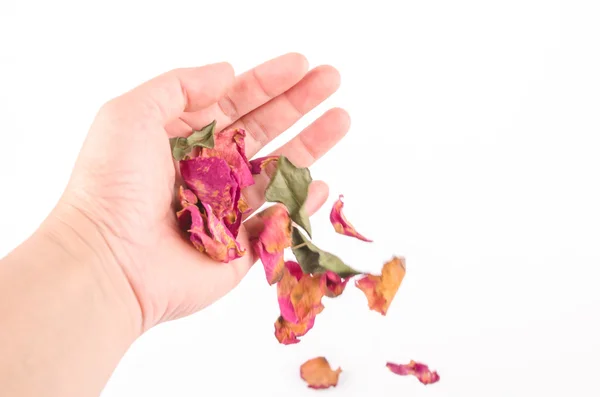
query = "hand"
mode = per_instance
[{"x": 123, "y": 183}]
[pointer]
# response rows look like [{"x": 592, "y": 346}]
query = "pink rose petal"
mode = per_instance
[
  {"x": 259, "y": 164},
  {"x": 299, "y": 296},
  {"x": 332, "y": 284},
  {"x": 230, "y": 146},
  {"x": 212, "y": 182},
  {"x": 420, "y": 371},
  {"x": 274, "y": 238},
  {"x": 341, "y": 224}
]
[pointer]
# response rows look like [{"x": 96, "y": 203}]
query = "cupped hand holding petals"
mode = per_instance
[{"x": 124, "y": 181}]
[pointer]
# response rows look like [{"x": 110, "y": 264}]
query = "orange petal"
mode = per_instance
[
  {"x": 243, "y": 206},
  {"x": 299, "y": 296},
  {"x": 306, "y": 298},
  {"x": 318, "y": 373},
  {"x": 380, "y": 290},
  {"x": 291, "y": 275},
  {"x": 287, "y": 333}
]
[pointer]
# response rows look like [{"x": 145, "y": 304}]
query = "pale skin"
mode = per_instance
[{"x": 109, "y": 262}]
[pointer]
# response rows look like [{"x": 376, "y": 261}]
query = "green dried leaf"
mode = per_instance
[
  {"x": 312, "y": 259},
  {"x": 205, "y": 137},
  {"x": 289, "y": 186},
  {"x": 179, "y": 147}
]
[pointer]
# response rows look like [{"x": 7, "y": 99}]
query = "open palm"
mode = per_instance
[{"x": 124, "y": 178}]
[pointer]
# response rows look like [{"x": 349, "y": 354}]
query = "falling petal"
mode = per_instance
[
  {"x": 333, "y": 285},
  {"x": 341, "y": 224},
  {"x": 299, "y": 296},
  {"x": 420, "y": 371},
  {"x": 287, "y": 333},
  {"x": 318, "y": 373},
  {"x": 380, "y": 290},
  {"x": 275, "y": 236}
]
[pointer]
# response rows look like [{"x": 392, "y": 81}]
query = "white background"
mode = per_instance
[{"x": 473, "y": 152}]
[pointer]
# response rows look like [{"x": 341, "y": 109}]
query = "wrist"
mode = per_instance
[
  {"x": 68, "y": 315},
  {"x": 82, "y": 247}
]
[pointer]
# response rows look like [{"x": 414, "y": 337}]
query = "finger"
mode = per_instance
[
  {"x": 277, "y": 115},
  {"x": 304, "y": 149},
  {"x": 167, "y": 96},
  {"x": 249, "y": 91},
  {"x": 317, "y": 139}
]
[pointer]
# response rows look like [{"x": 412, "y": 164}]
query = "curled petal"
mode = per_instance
[
  {"x": 420, "y": 371},
  {"x": 233, "y": 219},
  {"x": 243, "y": 206},
  {"x": 299, "y": 296},
  {"x": 229, "y": 146},
  {"x": 187, "y": 197},
  {"x": 212, "y": 181},
  {"x": 318, "y": 373},
  {"x": 341, "y": 224},
  {"x": 259, "y": 164},
  {"x": 306, "y": 298},
  {"x": 287, "y": 333},
  {"x": 294, "y": 269},
  {"x": 193, "y": 221},
  {"x": 380, "y": 290},
  {"x": 209, "y": 234},
  {"x": 275, "y": 236},
  {"x": 272, "y": 262},
  {"x": 332, "y": 285},
  {"x": 285, "y": 287},
  {"x": 223, "y": 245}
]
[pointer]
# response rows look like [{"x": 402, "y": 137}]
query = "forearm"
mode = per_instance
[{"x": 66, "y": 316}]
